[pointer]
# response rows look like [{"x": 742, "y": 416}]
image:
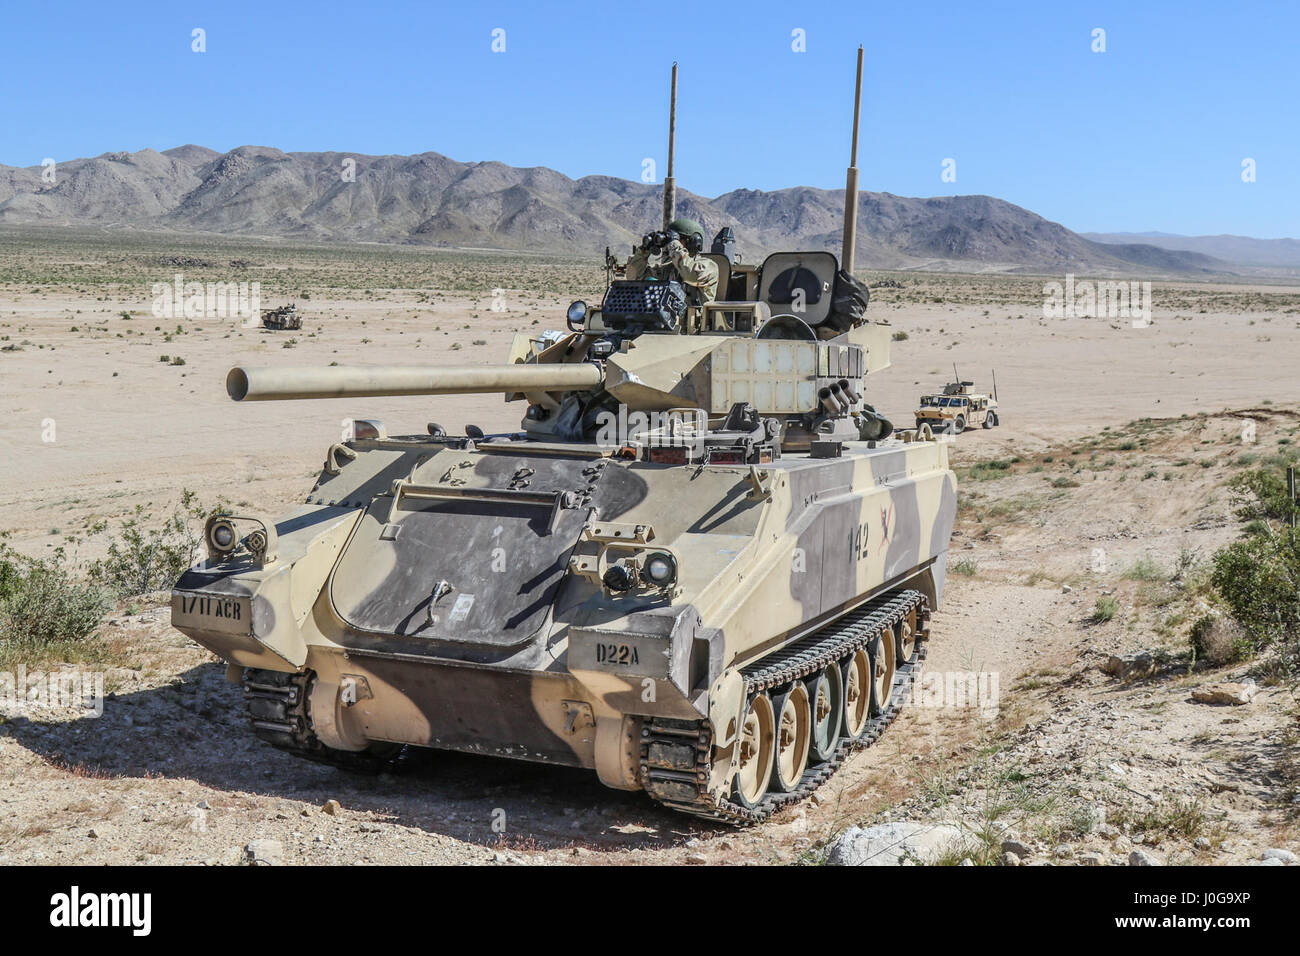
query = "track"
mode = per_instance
[
  {"x": 277, "y": 710},
  {"x": 677, "y": 756}
]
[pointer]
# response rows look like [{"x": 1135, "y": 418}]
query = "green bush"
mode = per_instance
[
  {"x": 45, "y": 603},
  {"x": 1104, "y": 610},
  {"x": 1259, "y": 579},
  {"x": 143, "y": 559},
  {"x": 1260, "y": 497},
  {"x": 1145, "y": 568}
]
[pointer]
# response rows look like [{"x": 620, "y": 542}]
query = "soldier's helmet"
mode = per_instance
[{"x": 692, "y": 234}]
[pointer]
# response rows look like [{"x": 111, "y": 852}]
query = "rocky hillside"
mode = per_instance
[{"x": 431, "y": 199}]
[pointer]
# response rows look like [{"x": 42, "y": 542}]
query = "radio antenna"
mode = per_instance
[
  {"x": 670, "y": 183},
  {"x": 849, "y": 250}
]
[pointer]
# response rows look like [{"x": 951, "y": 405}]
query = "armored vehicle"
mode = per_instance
[
  {"x": 958, "y": 408},
  {"x": 703, "y": 567},
  {"x": 285, "y": 317}
]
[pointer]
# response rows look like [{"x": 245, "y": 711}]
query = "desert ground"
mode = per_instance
[{"x": 1105, "y": 480}]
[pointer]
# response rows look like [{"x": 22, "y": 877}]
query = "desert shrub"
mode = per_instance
[
  {"x": 1261, "y": 496},
  {"x": 1104, "y": 610},
  {"x": 1258, "y": 576},
  {"x": 1259, "y": 579},
  {"x": 986, "y": 470},
  {"x": 143, "y": 558},
  {"x": 46, "y": 603},
  {"x": 1145, "y": 568},
  {"x": 1218, "y": 640}
]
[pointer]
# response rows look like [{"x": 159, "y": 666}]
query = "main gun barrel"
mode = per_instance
[{"x": 280, "y": 384}]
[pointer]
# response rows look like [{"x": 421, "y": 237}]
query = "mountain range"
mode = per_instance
[
  {"x": 1257, "y": 254},
  {"x": 432, "y": 199}
]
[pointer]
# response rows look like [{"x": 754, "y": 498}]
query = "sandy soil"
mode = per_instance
[{"x": 170, "y": 773}]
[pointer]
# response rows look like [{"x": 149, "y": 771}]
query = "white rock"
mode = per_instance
[
  {"x": 1142, "y": 858},
  {"x": 264, "y": 853},
  {"x": 894, "y": 844},
  {"x": 1285, "y": 856}
]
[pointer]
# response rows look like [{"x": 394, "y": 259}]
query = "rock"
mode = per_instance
[
  {"x": 1231, "y": 693},
  {"x": 95, "y": 833},
  {"x": 1132, "y": 665},
  {"x": 1270, "y": 862},
  {"x": 1092, "y": 858},
  {"x": 203, "y": 805},
  {"x": 332, "y": 807},
  {"x": 1018, "y": 848},
  {"x": 1063, "y": 851},
  {"x": 1285, "y": 856},
  {"x": 967, "y": 861},
  {"x": 893, "y": 844},
  {"x": 1066, "y": 589},
  {"x": 1010, "y": 859},
  {"x": 264, "y": 853},
  {"x": 696, "y": 859},
  {"x": 1202, "y": 843},
  {"x": 1108, "y": 832},
  {"x": 1142, "y": 858}
]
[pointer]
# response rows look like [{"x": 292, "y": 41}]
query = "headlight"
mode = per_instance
[
  {"x": 576, "y": 316},
  {"x": 222, "y": 535},
  {"x": 660, "y": 569}
]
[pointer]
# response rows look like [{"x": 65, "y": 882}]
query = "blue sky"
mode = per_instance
[{"x": 1149, "y": 135}]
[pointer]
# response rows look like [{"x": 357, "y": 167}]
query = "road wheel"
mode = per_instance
[
  {"x": 991, "y": 420},
  {"x": 826, "y": 696},
  {"x": 883, "y": 656},
  {"x": 856, "y": 673},
  {"x": 757, "y": 745},
  {"x": 905, "y": 638},
  {"x": 793, "y": 737},
  {"x": 959, "y": 424}
]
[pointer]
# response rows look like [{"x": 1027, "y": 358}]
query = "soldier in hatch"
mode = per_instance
[{"x": 679, "y": 248}]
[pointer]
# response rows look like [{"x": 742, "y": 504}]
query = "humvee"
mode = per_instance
[{"x": 957, "y": 409}]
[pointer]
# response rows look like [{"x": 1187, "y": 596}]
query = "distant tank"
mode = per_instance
[
  {"x": 702, "y": 568},
  {"x": 285, "y": 317}
]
